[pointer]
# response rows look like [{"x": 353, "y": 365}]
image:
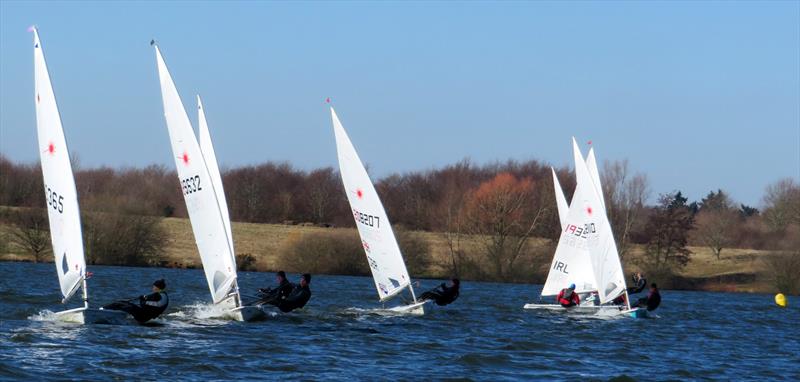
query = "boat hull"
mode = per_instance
[
  {"x": 89, "y": 316},
  {"x": 576, "y": 309},
  {"x": 636, "y": 312},
  {"x": 416, "y": 309},
  {"x": 248, "y": 313}
]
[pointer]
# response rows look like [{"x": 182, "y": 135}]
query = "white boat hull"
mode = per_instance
[
  {"x": 95, "y": 316},
  {"x": 416, "y": 309},
  {"x": 575, "y": 309}
]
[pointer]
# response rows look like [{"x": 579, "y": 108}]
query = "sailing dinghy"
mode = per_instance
[
  {"x": 62, "y": 201},
  {"x": 201, "y": 183},
  {"x": 586, "y": 253},
  {"x": 380, "y": 245}
]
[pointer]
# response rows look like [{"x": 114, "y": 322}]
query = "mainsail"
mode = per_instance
[
  {"x": 561, "y": 201},
  {"x": 607, "y": 268},
  {"x": 383, "y": 254},
  {"x": 591, "y": 164},
  {"x": 59, "y": 183},
  {"x": 210, "y": 232},
  {"x": 207, "y": 148},
  {"x": 571, "y": 261}
]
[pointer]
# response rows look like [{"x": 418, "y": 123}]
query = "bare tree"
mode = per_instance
[
  {"x": 321, "y": 186},
  {"x": 716, "y": 229},
  {"x": 717, "y": 223},
  {"x": 502, "y": 213},
  {"x": 782, "y": 204},
  {"x": 626, "y": 195},
  {"x": 31, "y": 233},
  {"x": 668, "y": 229}
]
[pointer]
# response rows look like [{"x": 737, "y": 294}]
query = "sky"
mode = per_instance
[{"x": 697, "y": 95}]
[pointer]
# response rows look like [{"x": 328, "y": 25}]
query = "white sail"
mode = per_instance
[
  {"x": 207, "y": 148},
  {"x": 571, "y": 262},
  {"x": 383, "y": 254},
  {"x": 210, "y": 232},
  {"x": 561, "y": 200},
  {"x": 591, "y": 164},
  {"x": 59, "y": 182},
  {"x": 607, "y": 268}
]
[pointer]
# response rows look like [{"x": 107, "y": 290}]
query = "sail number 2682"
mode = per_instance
[{"x": 191, "y": 185}]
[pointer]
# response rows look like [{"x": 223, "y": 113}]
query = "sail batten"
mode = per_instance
[
  {"x": 59, "y": 182},
  {"x": 197, "y": 185},
  {"x": 377, "y": 238}
]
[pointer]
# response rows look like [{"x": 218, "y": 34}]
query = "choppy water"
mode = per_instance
[{"x": 485, "y": 335}]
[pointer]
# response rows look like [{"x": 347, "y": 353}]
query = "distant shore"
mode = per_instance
[{"x": 738, "y": 270}]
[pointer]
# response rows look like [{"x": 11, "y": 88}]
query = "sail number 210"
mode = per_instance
[{"x": 191, "y": 185}]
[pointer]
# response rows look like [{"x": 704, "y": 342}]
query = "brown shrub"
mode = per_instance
[
  {"x": 334, "y": 252},
  {"x": 783, "y": 270},
  {"x": 415, "y": 250},
  {"x": 245, "y": 262},
  {"x": 122, "y": 239}
]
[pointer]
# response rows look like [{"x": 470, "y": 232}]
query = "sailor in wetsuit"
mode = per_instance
[
  {"x": 443, "y": 294},
  {"x": 147, "y": 307},
  {"x": 639, "y": 283},
  {"x": 297, "y": 298},
  {"x": 278, "y": 293},
  {"x": 567, "y": 297},
  {"x": 652, "y": 301}
]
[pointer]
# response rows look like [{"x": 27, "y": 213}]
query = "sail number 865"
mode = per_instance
[{"x": 191, "y": 185}]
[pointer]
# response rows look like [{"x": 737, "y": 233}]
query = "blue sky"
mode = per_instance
[{"x": 697, "y": 95}]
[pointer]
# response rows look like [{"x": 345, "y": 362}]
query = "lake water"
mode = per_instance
[{"x": 485, "y": 335}]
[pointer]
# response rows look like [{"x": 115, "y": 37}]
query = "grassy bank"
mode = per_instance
[{"x": 738, "y": 270}]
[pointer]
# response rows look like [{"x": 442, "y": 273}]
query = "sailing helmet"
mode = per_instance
[{"x": 160, "y": 284}]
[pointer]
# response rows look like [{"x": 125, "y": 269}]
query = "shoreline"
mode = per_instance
[{"x": 270, "y": 247}]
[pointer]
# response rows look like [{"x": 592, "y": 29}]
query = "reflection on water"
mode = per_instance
[{"x": 341, "y": 335}]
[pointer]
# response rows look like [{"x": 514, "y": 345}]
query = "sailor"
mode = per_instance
[
  {"x": 147, "y": 307},
  {"x": 639, "y": 283},
  {"x": 298, "y": 297},
  {"x": 269, "y": 295},
  {"x": 567, "y": 297},
  {"x": 443, "y": 294},
  {"x": 652, "y": 301}
]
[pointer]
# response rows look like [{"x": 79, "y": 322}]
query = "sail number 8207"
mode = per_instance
[{"x": 367, "y": 219}]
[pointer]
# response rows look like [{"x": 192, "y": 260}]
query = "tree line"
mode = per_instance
[{"x": 503, "y": 205}]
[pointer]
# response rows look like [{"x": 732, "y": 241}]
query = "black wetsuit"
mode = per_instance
[
  {"x": 148, "y": 308},
  {"x": 640, "y": 285},
  {"x": 652, "y": 301},
  {"x": 271, "y": 295},
  {"x": 295, "y": 300},
  {"x": 441, "y": 295}
]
